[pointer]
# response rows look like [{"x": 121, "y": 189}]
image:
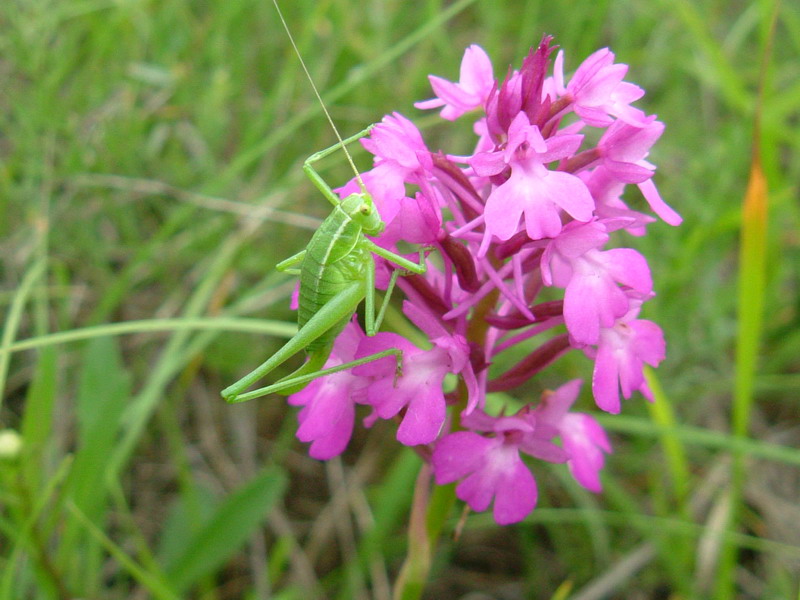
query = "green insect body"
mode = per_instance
[
  {"x": 337, "y": 272},
  {"x": 335, "y": 260}
]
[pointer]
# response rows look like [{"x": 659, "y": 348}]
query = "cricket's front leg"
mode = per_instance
[
  {"x": 401, "y": 261},
  {"x": 372, "y": 321}
]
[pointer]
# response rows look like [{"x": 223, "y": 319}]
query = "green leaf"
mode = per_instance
[
  {"x": 193, "y": 508},
  {"x": 103, "y": 392},
  {"x": 37, "y": 422},
  {"x": 233, "y": 523}
]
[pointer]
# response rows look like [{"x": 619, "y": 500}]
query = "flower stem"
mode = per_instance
[
  {"x": 429, "y": 511},
  {"x": 411, "y": 581}
]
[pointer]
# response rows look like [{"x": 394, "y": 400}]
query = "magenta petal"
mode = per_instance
[
  {"x": 332, "y": 440},
  {"x": 629, "y": 114},
  {"x": 579, "y": 238},
  {"x": 629, "y": 144},
  {"x": 385, "y": 183},
  {"x": 561, "y": 146},
  {"x": 599, "y": 89},
  {"x": 417, "y": 222},
  {"x": 625, "y": 94},
  {"x": 474, "y": 395},
  {"x": 323, "y": 415},
  {"x": 479, "y": 487},
  {"x": 596, "y": 117},
  {"x": 592, "y": 300},
  {"x": 558, "y": 73},
  {"x": 424, "y": 417},
  {"x": 503, "y": 210},
  {"x": 569, "y": 192},
  {"x": 327, "y": 418},
  {"x": 425, "y": 320},
  {"x": 628, "y": 172},
  {"x": 428, "y": 104},
  {"x": 455, "y": 100},
  {"x": 631, "y": 374},
  {"x": 544, "y": 449},
  {"x": 521, "y": 132},
  {"x": 384, "y": 367},
  {"x": 661, "y": 208},
  {"x": 585, "y": 441},
  {"x": 542, "y": 222},
  {"x": 605, "y": 380},
  {"x": 582, "y": 318},
  {"x": 629, "y": 267},
  {"x": 487, "y": 164},
  {"x": 556, "y": 404},
  {"x": 516, "y": 494},
  {"x": 477, "y": 490},
  {"x": 476, "y": 74},
  {"x": 589, "y": 69},
  {"x": 387, "y": 398},
  {"x": 649, "y": 343},
  {"x": 459, "y": 454}
]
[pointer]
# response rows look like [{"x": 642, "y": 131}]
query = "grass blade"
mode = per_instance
[{"x": 232, "y": 524}]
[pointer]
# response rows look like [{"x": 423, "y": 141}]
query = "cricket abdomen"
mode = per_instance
[{"x": 334, "y": 260}]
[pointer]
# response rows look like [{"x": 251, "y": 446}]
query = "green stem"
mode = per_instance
[{"x": 414, "y": 574}]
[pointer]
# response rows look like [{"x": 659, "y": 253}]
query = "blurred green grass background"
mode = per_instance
[{"x": 150, "y": 179}]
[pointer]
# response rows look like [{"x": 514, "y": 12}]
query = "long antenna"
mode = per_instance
[{"x": 319, "y": 97}]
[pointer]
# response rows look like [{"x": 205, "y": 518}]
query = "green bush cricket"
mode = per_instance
[{"x": 337, "y": 272}]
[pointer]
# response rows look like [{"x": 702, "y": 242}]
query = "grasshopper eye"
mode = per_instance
[{"x": 365, "y": 209}]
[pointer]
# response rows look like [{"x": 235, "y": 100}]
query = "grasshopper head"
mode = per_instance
[{"x": 361, "y": 208}]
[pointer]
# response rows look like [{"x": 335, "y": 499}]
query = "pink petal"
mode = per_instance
[
  {"x": 477, "y": 490},
  {"x": 589, "y": 68},
  {"x": 667, "y": 214},
  {"x": 595, "y": 117},
  {"x": 649, "y": 341},
  {"x": 629, "y": 114},
  {"x": 630, "y": 268},
  {"x": 570, "y": 193},
  {"x": 628, "y": 172},
  {"x": 329, "y": 431},
  {"x": 476, "y": 73},
  {"x": 503, "y": 210},
  {"x": 558, "y": 73},
  {"x": 516, "y": 495},
  {"x": 424, "y": 417},
  {"x": 387, "y": 397},
  {"x": 631, "y": 375},
  {"x": 487, "y": 164},
  {"x": 557, "y": 403},
  {"x": 561, "y": 146},
  {"x": 459, "y": 454},
  {"x": 585, "y": 441},
  {"x": 591, "y": 302},
  {"x": 599, "y": 88},
  {"x": 456, "y": 101},
  {"x": 384, "y": 367},
  {"x": 605, "y": 380},
  {"x": 627, "y": 143},
  {"x": 428, "y": 104}
]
